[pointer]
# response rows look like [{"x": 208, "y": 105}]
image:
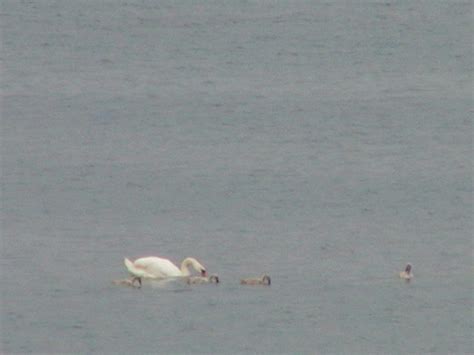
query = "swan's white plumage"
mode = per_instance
[{"x": 153, "y": 267}]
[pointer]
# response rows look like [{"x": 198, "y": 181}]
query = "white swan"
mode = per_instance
[
  {"x": 263, "y": 280},
  {"x": 153, "y": 267},
  {"x": 407, "y": 274},
  {"x": 203, "y": 279}
]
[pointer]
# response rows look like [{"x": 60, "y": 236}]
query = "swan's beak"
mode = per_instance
[{"x": 203, "y": 272}]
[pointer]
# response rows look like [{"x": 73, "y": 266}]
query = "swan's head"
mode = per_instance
[
  {"x": 195, "y": 264},
  {"x": 198, "y": 267},
  {"x": 266, "y": 280},
  {"x": 408, "y": 268}
]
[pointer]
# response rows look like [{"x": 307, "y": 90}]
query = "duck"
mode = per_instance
[
  {"x": 263, "y": 280},
  {"x": 203, "y": 279},
  {"x": 407, "y": 274}
]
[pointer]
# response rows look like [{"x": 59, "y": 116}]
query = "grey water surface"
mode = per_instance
[{"x": 326, "y": 143}]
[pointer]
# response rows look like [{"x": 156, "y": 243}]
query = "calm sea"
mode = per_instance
[{"x": 326, "y": 143}]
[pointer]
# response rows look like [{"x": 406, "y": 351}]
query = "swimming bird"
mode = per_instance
[
  {"x": 407, "y": 274},
  {"x": 129, "y": 282},
  {"x": 153, "y": 267},
  {"x": 263, "y": 280},
  {"x": 203, "y": 279}
]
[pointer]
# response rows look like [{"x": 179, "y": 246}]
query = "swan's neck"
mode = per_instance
[{"x": 185, "y": 266}]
